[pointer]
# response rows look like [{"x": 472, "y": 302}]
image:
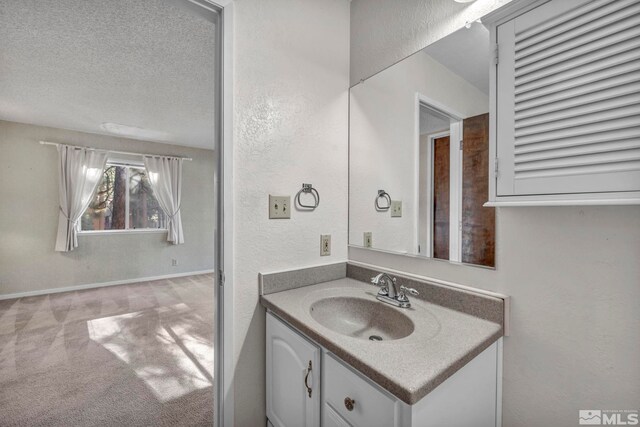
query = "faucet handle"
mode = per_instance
[
  {"x": 379, "y": 281},
  {"x": 411, "y": 291}
]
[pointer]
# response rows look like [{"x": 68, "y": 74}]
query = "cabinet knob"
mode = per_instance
[{"x": 349, "y": 403}]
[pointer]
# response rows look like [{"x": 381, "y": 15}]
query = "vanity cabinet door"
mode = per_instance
[{"x": 293, "y": 377}]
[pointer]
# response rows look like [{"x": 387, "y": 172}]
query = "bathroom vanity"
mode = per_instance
[{"x": 337, "y": 356}]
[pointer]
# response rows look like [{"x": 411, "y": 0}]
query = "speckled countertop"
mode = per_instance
[{"x": 443, "y": 341}]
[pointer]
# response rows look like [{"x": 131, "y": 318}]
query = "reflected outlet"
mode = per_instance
[
  {"x": 396, "y": 208},
  {"x": 367, "y": 239},
  {"x": 325, "y": 244}
]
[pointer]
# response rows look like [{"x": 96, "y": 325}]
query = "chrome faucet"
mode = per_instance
[{"x": 389, "y": 292}]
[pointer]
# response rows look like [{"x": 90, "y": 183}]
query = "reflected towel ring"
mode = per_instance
[
  {"x": 308, "y": 188},
  {"x": 383, "y": 195}
]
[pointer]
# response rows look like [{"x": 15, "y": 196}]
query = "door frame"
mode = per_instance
[
  {"x": 225, "y": 306},
  {"x": 455, "y": 177},
  {"x": 223, "y": 235}
]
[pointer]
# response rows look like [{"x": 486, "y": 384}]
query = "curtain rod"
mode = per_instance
[{"x": 115, "y": 152}]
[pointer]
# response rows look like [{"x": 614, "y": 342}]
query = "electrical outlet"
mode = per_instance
[
  {"x": 279, "y": 207},
  {"x": 367, "y": 239},
  {"x": 396, "y": 208},
  {"x": 325, "y": 244},
  {"x": 174, "y": 262}
]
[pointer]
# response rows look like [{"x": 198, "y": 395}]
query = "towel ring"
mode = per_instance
[
  {"x": 308, "y": 189},
  {"x": 383, "y": 195}
]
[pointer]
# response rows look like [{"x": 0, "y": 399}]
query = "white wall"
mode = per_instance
[
  {"x": 573, "y": 272},
  {"x": 291, "y": 73},
  {"x": 29, "y": 217},
  {"x": 384, "y": 32},
  {"x": 383, "y": 146}
]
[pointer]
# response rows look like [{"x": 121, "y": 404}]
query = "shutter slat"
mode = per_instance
[
  {"x": 632, "y": 110},
  {"x": 630, "y": 166},
  {"x": 580, "y": 150},
  {"x": 557, "y": 25},
  {"x": 611, "y": 96},
  {"x": 596, "y": 19},
  {"x": 590, "y": 139},
  {"x": 585, "y": 160},
  {"x": 604, "y": 59},
  {"x": 585, "y": 76},
  {"x": 580, "y": 36},
  {"x": 567, "y": 74},
  {"x": 609, "y": 126},
  {"x": 603, "y": 48},
  {"x": 615, "y": 85}
]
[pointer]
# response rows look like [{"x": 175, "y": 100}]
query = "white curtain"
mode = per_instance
[
  {"x": 165, "y": 176},
  {"x": 79, "y": 173}
]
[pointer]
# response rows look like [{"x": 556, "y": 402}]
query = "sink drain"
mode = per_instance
[{"x": 375, "y": 338}]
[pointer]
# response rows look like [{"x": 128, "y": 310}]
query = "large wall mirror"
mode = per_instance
[{"x": 419, "y": 154}]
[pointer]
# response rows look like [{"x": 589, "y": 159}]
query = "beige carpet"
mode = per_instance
[{"x": 131, "y": 355}]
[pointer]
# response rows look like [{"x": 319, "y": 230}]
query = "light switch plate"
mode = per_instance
[
  {"x": 325, "y": 244},
  {"x": 396, "y": 208},
  {"x": 279, "y": 207},
  {"x": 367, "y": 239}
]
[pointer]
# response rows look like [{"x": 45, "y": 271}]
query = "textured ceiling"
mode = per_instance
[
  {"x": 76, "y": 64},
  {"x": 467, "y": 53}
]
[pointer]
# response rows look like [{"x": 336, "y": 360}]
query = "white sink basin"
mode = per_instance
[{"x": 361, "y": 318}]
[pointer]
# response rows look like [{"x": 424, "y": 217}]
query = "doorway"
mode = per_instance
[{"x": 125, "y": 325}]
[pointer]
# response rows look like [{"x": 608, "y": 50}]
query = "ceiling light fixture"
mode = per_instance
[
  {"x": 135, "y": 132},
  {"x": 468, "y": 24}
]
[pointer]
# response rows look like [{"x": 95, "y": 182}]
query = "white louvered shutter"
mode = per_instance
[{"x": 568, "y": 101}]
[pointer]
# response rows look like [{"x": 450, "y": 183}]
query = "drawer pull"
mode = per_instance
[
  {"x": 349, "y": 403},
  {"x": 306, "y": 378}
]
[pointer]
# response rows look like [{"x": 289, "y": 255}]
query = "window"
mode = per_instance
[{"x": 123, "y": 201}]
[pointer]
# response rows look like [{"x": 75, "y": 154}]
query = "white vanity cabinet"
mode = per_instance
[
  {"x": 566, "y": 103},
  {"x": 342, "y": 396},
  {"x": 293, "y": 377}
]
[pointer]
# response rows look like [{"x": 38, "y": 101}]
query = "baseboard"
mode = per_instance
[{"x": 100, "y": 285}]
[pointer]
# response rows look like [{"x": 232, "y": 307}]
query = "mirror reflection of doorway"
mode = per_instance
[
  {"x": 453, "y": 184},
  {"x": 438, "y": 203}
]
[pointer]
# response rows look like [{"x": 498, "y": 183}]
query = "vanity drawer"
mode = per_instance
[{"x": 371, "y": 407}]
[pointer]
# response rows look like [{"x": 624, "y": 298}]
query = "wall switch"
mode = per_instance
[
  {"x": 279, "y": 207},
  {"x": 325, "y": 244},
  {"x": 367, "y": 239},
  {"x": 174, "y": 262},
  {"x": 396, "y": 208}
]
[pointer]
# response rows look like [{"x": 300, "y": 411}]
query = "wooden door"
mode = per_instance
[
  {"x": 478, "y": 222},
  {"x": 293, "y": 377},
  {"x": 441, "y": 196}
]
